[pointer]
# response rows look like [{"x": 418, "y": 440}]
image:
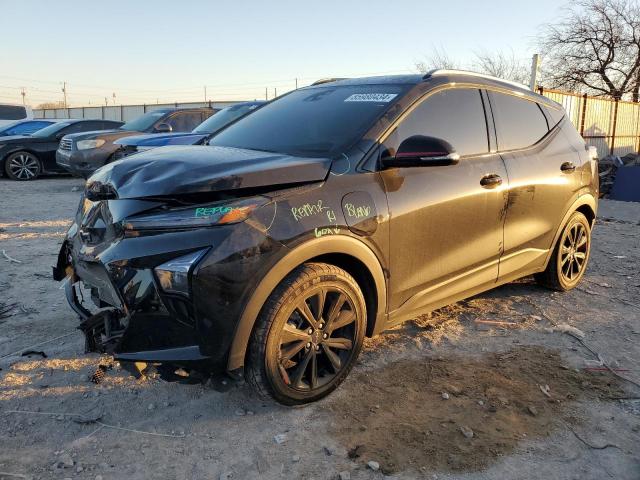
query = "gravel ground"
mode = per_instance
[{"x": 442, "y": 396}]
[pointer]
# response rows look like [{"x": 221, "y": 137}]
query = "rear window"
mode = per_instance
[
  {"x": 12, "y": 112},
  {"x": 520, "y": 123}
]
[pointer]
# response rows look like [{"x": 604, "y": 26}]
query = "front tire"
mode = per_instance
[
  {"x": 308, "y": 335},
  {"x": 22, "y": 166},
  {"x": 570, "y": 256}
]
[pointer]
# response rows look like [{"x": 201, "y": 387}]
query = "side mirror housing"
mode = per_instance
[
  {"x": 422, "y": 151},
  {"x": 163, "y": 128}
]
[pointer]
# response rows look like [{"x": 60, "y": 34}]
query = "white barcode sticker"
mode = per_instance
[{"x": 371, "y": 97}]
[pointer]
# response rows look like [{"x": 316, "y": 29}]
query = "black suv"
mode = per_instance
[
  {"x": 83, "y": 154},
  {"x": 328, "y": 215}
]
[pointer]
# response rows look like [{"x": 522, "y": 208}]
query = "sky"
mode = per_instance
[{"x": 166, "y": 51}]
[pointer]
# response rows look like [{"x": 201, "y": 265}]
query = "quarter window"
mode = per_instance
[
  {"x": 455, "y": 115},
  {"x": 520, "y": 123}
]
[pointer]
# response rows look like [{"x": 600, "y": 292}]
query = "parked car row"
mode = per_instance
[
  {"x": 33, "y": 147},
  {"x": 25, "y": 157}
]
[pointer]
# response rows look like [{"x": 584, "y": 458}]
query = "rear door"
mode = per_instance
[
  {"x": 542, "y": 184},
  {"x": 445, "y": 226}
]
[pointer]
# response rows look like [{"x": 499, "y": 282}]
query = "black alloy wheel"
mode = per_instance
[
  {"x": 570, "y": 255},
  {"x": 308, "y": 336},
  {"x": 573, "y": 252}
]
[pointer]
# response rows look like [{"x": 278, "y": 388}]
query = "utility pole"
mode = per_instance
[
  {"x": 106, "y": 102},
  {"x": 205, "y": 93},
  {"x": 296, "y": 83},
  {"x": 114, "y": 98},
  {"x": 275, "y": 92},
  {"x": 535, "y": 68},
  {"x": 266, "y": 94},
  {"x": 64, "y": 91},
  {"x": 23, "y": 93}
]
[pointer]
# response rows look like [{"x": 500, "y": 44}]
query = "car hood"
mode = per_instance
[
  {"x": 107, "y": 135},
  {"x": 161, "y": 139},
  {"x": 175, "y": 171}
]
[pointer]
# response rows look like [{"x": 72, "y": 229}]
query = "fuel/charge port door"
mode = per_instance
[{"x": 360, "y": 213}]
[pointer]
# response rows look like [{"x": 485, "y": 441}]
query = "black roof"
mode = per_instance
[{"x": 444, "y": 76}]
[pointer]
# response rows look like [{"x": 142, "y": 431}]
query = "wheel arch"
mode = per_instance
[
  {"x": 348, "y": 253},
  {"x": 586, "y": 204}
]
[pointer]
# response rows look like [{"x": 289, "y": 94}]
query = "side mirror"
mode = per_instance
[
  {"x": 422, "y": 151},
  {"x": 60, "y": 135},
  {"x": 163, "y": 128}
]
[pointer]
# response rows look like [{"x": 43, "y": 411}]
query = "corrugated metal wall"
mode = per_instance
[
  {"x": 613, "y": 127},
  {"x": 122, "y": 113}
]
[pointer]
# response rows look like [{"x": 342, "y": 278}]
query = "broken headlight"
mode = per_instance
[
  {"x": 173, "y": 276},
  {"x": 198, "y": 216}
]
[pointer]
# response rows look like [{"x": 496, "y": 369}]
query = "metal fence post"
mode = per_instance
[
  {"x": 615, "y": 124},
  {"x": 584, "y": 114}
]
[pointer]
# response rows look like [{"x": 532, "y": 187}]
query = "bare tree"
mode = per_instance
[
  {"x": 595, "y": 48},
  {"x": 498, "y": 64},
  {"x": 502, "y": 65},
  {"x": 437, "y": 59},
  {"x": 46, "y": 105}
]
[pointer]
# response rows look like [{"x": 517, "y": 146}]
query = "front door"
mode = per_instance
[{"x": 446, "y": 222}]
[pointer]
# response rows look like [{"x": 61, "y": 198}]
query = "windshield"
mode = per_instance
[
  {"x": 144, "y": 122},
  {"x": 51, "y": 130},
  {"x": 316, "y": 122},
  {"x": 223, "y": 118}
]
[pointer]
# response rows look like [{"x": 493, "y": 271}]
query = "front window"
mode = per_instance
[
  {"x": 223, "y": 118},
  {"x": 144, "y": 122},
  {"x": 317, "y": 122}
]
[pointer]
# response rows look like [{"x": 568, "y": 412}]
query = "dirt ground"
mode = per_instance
[{"x": 450, "y": 395}]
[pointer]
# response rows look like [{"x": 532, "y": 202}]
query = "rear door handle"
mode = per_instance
[
  {"x": 568, "y": 167},
  {"x": 491, "y": 181}
]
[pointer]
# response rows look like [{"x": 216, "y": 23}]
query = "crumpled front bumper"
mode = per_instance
[
  {"x": 150, "y": 333},
  {"x": 113, "y": 288}
]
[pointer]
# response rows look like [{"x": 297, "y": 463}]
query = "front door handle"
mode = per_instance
[
  {"x": 491, "y": 181},
  {"x": 568, "y": 167}
]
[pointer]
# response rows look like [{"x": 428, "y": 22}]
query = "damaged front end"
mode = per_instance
[
  {"x": 164, "y": 278},
  {"x": 130, "y": 279}
]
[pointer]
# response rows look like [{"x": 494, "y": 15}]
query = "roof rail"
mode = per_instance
[
  {"x": 443, "y": 71},
  {"x": 327, "y": 80}
]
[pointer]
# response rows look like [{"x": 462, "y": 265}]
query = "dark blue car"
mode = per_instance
[
  {"x": 24, "y": 127},
  {"x": 212, "y": 125}
]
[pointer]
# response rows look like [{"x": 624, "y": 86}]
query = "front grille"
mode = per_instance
[{"x": 65, "y": 144}]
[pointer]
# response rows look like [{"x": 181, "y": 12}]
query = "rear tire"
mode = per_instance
[
  {"x": 307, "y": 336},
  {"x": 570, "y": 256},
  {"x": 22, "y": 166}
]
